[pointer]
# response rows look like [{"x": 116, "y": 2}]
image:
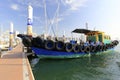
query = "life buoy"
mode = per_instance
[
  {"x": 49, "y": 44},
  {"x": 68, "y": 47},
  {"x": 76, "y": 48},
  {"x": 60, "y": 45},
  {"x": 27, "y": 41}
]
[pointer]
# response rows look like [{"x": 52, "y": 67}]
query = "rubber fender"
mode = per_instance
[
  {"x": 104, "y": 48},
  {"x": 27, "y": 42},
  {"x": 60, "y": 45},
  {"x": 112, "y": 45},
  {"x": 76, "y": 48},
  {"x": 116, "y": 42},
  {"x": 99, "y": 48},
  {"x": 49, "y": 44},
  {"x": 93, "y": 49},
  {"x": 107, "y": 46},
  {"x": 82, "y": 48},
  {"x": 68, "y": 47},
  {"x": 34, "y": 43},
  {"x": 87, "y": 49},
  {"x": 21, "y": 35},
  {"x": 39, "y": 42}
]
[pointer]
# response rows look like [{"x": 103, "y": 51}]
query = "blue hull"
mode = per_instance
[{"x": 43, "y": 53}]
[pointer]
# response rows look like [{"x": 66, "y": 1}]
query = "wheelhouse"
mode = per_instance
[{"x": 94, "y": 35}]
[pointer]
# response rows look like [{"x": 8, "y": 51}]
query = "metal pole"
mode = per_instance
[
  {"x": 11, "y": 37},
  {"x": 46, "y": 22}
]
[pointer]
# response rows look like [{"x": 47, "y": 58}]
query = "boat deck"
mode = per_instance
[{"x": 14, "y": 65}]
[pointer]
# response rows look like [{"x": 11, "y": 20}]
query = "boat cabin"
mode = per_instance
[{"x": 94, "y": 36}]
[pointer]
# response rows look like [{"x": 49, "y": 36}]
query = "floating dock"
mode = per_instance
[{"x": 14, "y": 65}]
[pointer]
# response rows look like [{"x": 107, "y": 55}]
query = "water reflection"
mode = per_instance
[{"x": 99, "y": 67}]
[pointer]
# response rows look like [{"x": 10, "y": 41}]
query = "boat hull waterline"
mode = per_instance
[{"x": 47, "y": 54}]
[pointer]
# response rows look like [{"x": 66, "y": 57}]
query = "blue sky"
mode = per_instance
[{"x": 103, "y": 15}]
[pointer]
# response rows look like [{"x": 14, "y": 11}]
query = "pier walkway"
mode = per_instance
[{"x": 14, "y": 65}]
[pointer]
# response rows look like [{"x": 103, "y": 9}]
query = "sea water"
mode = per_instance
[{"x": 99, "y": 67}]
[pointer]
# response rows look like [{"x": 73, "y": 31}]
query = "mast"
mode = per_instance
[
  {"x": 57, "y": 16},
  {"x": 46, "y": 22}
]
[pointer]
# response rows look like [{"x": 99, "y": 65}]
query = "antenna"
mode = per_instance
[
  {"x": 94, "y": 28},
  {"x": 86, "y": 25}
]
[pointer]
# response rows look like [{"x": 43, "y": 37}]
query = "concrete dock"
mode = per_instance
[{"x": 14, "y": 65}]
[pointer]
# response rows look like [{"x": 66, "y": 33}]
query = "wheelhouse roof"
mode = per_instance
[{"x": 85, "y": 31}]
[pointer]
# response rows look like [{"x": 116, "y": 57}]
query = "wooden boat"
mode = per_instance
[{"x": 96, "y": 43}]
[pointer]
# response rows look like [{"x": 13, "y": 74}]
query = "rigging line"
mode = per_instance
[
  {"x": 45, "y": 11},
  {"x": 51, "y": 23},
  {"x": 57, "y": 16},
  {"x": 51, "y": 27}
]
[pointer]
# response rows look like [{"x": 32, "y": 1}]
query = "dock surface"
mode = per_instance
[{"x": 14, "y": 65}]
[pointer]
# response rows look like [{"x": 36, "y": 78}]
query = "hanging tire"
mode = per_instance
[
  {"x": 27, "y": 41},
  {"x": 49, "y": 45},
  {"x": 104, "y": 48},
  {"x": 21, "y": 35},
  {"x": 82, "y": 48},
  {"x": 87, "y": 49},
  {"x": 60, "y": 45},
  {"x": 76, "y": 48},
  {"x": 107, "y": 46},
  {"x": 112, "y": 45},
  {"x": 99, "y": 48},
  {"x": 115, "y": 42},
  {"x": 68, "y": 47},
  {"x": 39, "y": 42},
  {"x": 34, "y": 44},
  {"x": 92, "y": 49}
]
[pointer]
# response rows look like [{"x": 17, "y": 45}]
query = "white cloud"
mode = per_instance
[
  {"x": 74, "y": 4},
  {"x": 54, "y": 21},
  {"x": 35, "y": 3},
  {"x": 14, "y": 7}
]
